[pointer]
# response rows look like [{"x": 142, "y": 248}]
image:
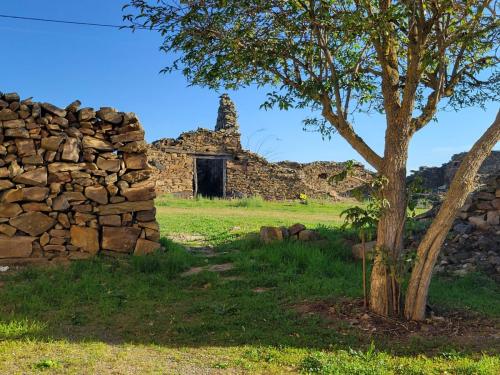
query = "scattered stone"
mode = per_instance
[
  {"x": 296, "y": 228},
  {"x": 143, "y": 247},
  {"x": 357, "y": 250},
  {"x": 270, "y": 234}
]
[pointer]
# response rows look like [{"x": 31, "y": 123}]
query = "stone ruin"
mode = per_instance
[
  {"x": 474, "y": 240},
  {"x": 73, "y": 183},
  {"x": 214, "y": 164}
]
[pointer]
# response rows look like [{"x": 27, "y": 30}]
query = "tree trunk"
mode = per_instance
[
  {"x": 428, "y": 250},
  {"x": 384, "y": 289}
]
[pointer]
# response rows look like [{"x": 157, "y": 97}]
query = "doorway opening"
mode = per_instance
[{"x": 210, "y": 177}]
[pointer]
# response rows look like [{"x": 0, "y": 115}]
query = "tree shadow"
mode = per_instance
[{"x": 265, "y": 299}]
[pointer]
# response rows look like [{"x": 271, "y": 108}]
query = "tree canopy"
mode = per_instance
[{"x": 339, "y": 57}]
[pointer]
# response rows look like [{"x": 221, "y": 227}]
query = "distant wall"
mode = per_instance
[
  {"x": 73, "y": 182},
  {"x": 247, "y": 173}
]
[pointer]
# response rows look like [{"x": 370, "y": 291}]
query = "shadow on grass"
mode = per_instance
[{"x": 146, "y": 301}]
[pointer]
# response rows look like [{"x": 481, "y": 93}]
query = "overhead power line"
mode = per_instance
[{"x": 70, "y": 22}]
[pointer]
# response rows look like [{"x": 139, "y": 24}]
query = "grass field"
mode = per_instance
[{"x": 259, "y": 315}]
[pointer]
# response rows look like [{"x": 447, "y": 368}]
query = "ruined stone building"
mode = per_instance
[{"x": 214, "y": 164}]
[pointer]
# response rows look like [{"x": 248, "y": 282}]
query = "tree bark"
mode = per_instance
[
  {"x": 384, "y": 288},
  {"x": 428, "y": 250}
]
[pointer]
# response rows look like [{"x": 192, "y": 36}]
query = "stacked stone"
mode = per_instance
[
  {"x": 227, "y": 117},
  {"x": 73, "y": 182},
  {"x": 474, "y": 241}
]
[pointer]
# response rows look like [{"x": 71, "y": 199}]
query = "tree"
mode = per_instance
[{"x": 404, "y": 59}]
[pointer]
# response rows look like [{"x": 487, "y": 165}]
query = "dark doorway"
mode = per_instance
[{"x": 210, "y": 177}]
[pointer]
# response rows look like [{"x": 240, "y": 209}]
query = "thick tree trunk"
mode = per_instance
[
  {"x": 384, "y": 288},
  {"x": 428, "y": 250}
]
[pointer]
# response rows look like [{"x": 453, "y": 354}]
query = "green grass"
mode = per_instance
[{"x": 139, "y": 315}]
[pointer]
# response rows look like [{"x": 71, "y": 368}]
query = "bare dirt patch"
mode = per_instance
[{"x": 459, "y": 327}]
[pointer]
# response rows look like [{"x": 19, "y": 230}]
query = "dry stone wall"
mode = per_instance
[
  {"x": 247, "y": 174},
  {"x": 73, "y": 182}
]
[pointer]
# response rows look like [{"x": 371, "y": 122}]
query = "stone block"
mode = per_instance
[
  {"x": 85, "y": 238},
  {"x": 121, "y": 239}
]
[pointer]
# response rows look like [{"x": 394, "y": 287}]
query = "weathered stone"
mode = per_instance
[
  {"x": 271, "y": 234},
  {"x": 13, "y": 195},
  {"x": 121, "y": 239},
  {"x": 52, "y": 143},
  {"x": 125, "y": 207},
  {"x": 128, "y": 137},
  {"x": 17, "y": 133},
  {"x": 134, "y": 147},
  {"x": 63, "y": 219},
  {"x": 7, "y": 114},
  {"x": 369, "y": 248},
  {"x": 15, "y": 169},
  {"x": 9, "y": 210},
  {"x": 479, "y": 222},
  {"x": 152, "y": 235},
  {"x": 55, "y": 248},
  {"x": 96, "y": 143},
  {"x": 111, "y": 165},
  {"x": 5, "y": 184},
  {"x": 35, "y": 194},
  {"x": 493, "y": 217},
  {"x": 60, "y": 203},
  {"x": 110, "y": 115},
  {"x": 73, "y": 196},
  {"x": 53, "y": 109},
  {"x": 135, "y": 161},
  {"x": 44, "y": 239},
  {"x": 35, "y": 177},
  {"x": 7, "y": 230},
  {"x": 11, "y": 97},
  {"x": 139, "y": 193},
  {"x": 33, "y": 160},
  {"x": 16, "y": 247},
  {"x": 146, "y": 215},
  {"x": 136, "y": 176},
  {"x": 14, "y": 124},
  {"x": 296, "y": 228},
  {"x": 110, "y": 220},
  {"x": 144, "y": 247},
  {"x": 33, "y": 223},
  {"x": 66, "y": 167},
  {"x": 309, "y": 235},
  {"x": 71, "y": 151},
  {"x": 4, "y": 172},
  {"x": 98, "y": 194},
  {"x": 85, "y": 238},
  {"x": 36, "y": 206},
  {"x": 25, "y": 147},
  {"x": 86, "y": 114}
]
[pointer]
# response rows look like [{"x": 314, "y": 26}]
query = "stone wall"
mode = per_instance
[
  {"x": 474, "y": 241},
  {"x": 73, "y": 182},
  {"x": 439, "y": 178},
  {"x": 247, "y": 174}
]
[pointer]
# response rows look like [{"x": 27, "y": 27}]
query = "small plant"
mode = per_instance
[
  {"x": 46, "y": 364},
  {"x": 303, "y": 198},
  {"x": 312, "y": 364}
]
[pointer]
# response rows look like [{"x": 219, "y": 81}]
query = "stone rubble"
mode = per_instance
[
  {"x": 296, "y": 232},
  {"x": 73, "y": 182}
]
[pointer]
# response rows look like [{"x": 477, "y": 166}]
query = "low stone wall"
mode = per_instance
[{"x": 73, "y": 182}]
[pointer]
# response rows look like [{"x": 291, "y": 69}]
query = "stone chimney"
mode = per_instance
[{"x": 227, "y": 118}]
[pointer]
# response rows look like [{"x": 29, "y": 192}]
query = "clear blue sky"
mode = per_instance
[{"x": 107, "y": 67}]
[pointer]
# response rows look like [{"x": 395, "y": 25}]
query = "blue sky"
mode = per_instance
[{"x": 108, "y": 67}]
